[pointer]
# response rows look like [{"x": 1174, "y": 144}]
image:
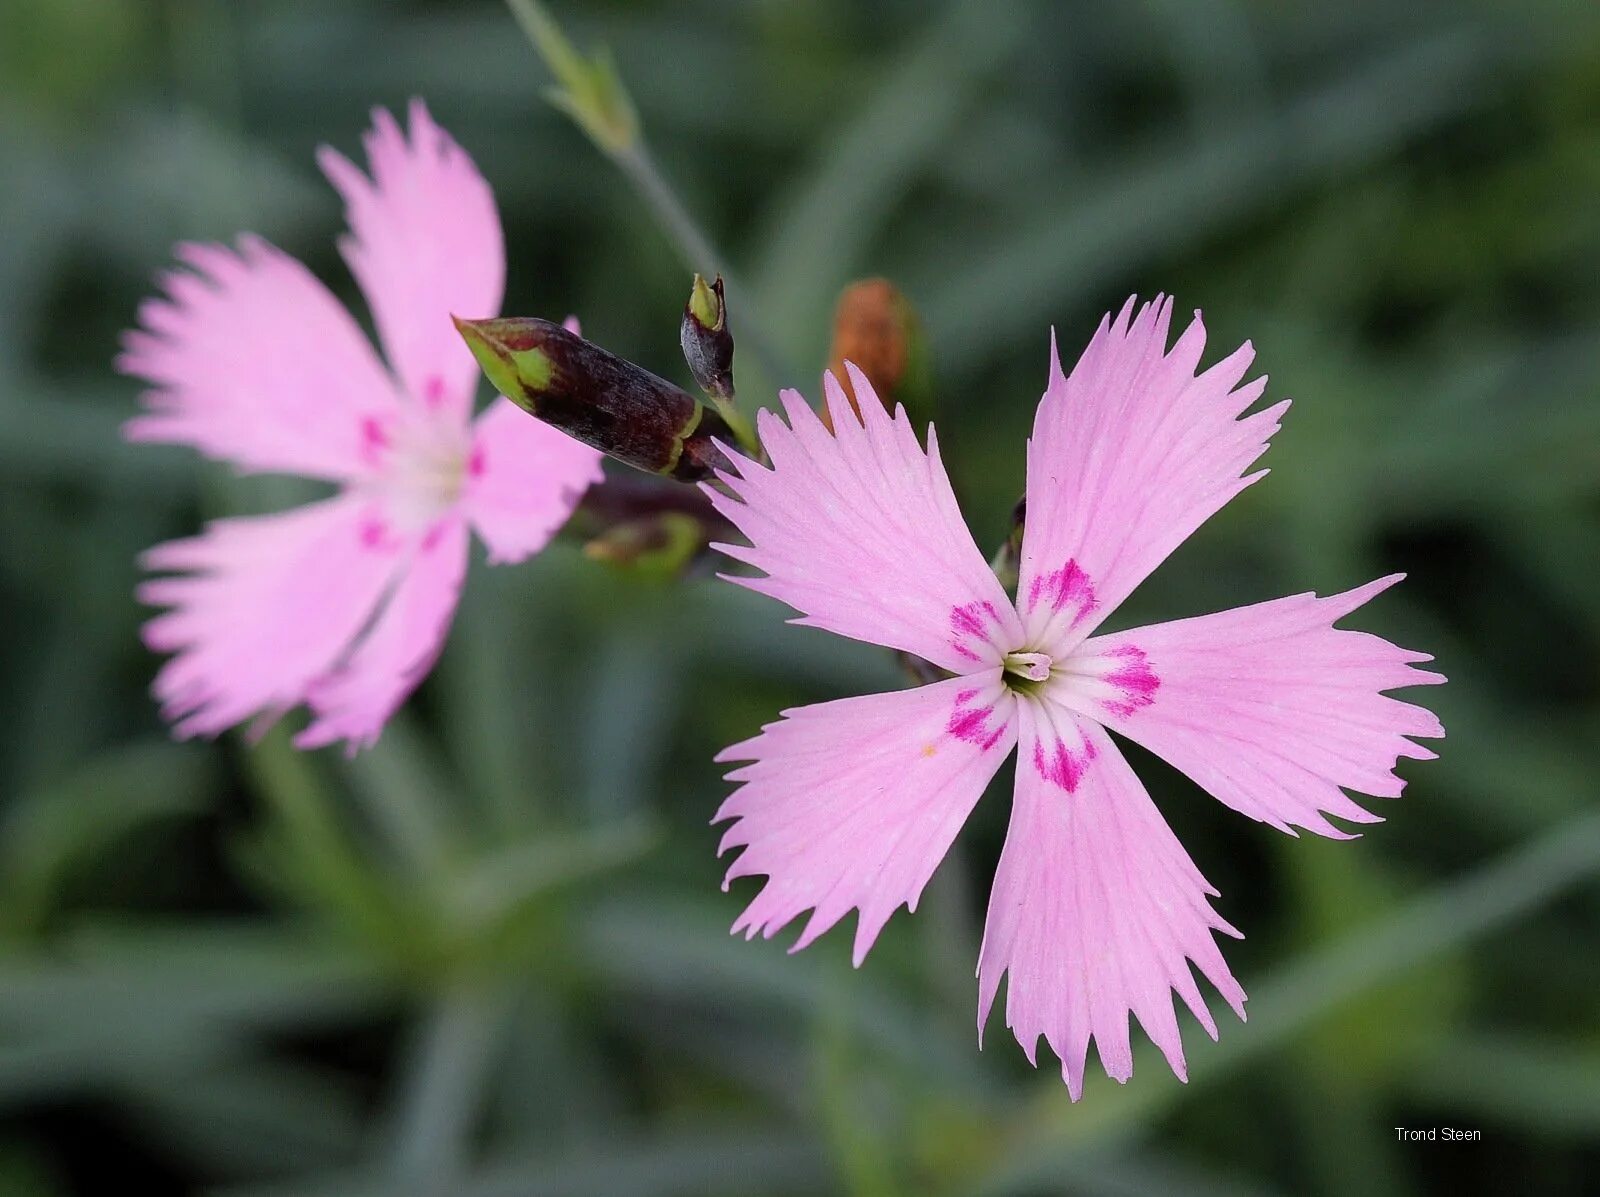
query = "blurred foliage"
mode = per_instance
[{"x": 490, "y": 956}]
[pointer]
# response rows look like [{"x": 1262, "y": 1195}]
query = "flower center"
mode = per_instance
[
  {"x": 434, "y": 470},
  {"x": 421, "y": 466},
  {"x": 1025, "y": 672}
]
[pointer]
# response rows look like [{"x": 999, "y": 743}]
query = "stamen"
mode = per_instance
[{"x": 1033, "y": 667}]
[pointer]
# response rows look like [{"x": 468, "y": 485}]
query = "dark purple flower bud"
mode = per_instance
[
  {"x": 706, "y": 340},
  {"x": 597, "y": 397}
]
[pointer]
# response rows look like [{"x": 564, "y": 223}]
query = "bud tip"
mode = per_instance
[
  {"x": 706, "y": 303},
  {"x": 520, "y": 374}
]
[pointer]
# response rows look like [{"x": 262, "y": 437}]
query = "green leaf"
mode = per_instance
[
  {"x": 60, "y": 833},
  {"x": 685, "y": 1164},
  {"x": 817, "y": 235},
  {"x": 1545, "y": 1086}
]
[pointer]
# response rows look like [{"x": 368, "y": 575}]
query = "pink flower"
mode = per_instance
[
  {"x": 1096, "y": 909},
  {"x": 342, "y": 604}
]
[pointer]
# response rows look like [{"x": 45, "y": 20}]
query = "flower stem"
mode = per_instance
[
  {"x": 692, "y": 243},
  {"x": 697, "y": 252},
  {"x": 589, "y": 92},
  {"x": 442, "y": 1092},
  {"x": 728, "y": 408}
]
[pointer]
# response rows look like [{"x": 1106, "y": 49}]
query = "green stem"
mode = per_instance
[
  {"x": 728, "y": 408},
  {"x": 693, "y": 244},
  {"x": 861, "y": 1155},
  {"x": 697, "y": 252},
  {"x": 404, "y": 795},
  {"x": 626, "y": 147},
  {"x": 442, "y": 1089}
]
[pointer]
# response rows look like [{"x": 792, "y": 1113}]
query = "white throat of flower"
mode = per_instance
[{"x": 423, "y": 469}]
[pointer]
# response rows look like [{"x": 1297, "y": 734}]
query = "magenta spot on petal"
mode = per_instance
[
  {"x": 1135, "y": 679},
  {"x": 432, "y": 537},
  {"x": 970, "y": 620},
  {"x": 970, "y": 724},
  {"x": 374, "y": 439},
  {"x": 373, "y": 533},
  {"x": 433, "y": 391},
  {"x": 964, "y": 620},
  {"x": 1064, "y": 587},
  {"x": 1062, "y": 766},
  {"x": 967, "y": 724},
  {"x": 477, "y": 463}
]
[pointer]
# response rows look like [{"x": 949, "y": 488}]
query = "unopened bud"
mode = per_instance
[
  {"x": 597, "y": 397},
  {"x": 876, "y": 327},
  {"x": 706, "y": 339}
]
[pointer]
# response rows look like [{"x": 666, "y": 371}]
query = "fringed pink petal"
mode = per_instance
[
  {"x": 355, "y": 700},
  {"x": 523, "y": 480},
  {"x": 860, "y": 532},
  {"x": 853, "y": 804},
  {"x": 1272, "y": 709},
  {"x": 260, "y": 607},
  {"x": 1096, "y": 910},
  {"x": 251, "y": 360},
  {"x": 1130, "y": 454},
  {"x": 425, "y": 242}
]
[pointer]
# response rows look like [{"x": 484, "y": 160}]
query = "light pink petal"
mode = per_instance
[
  {"x": 1272, "y": 709},
  {"x": 425, "y": 242},
  {"x": 251, "y": 360},
  {"x": 355, "y": 700},
  {"x": 523, "y": 480},
  {"x": 260, "y": 607},
  {"x": 1096, "y": 910},
  {"x": 860, "y": 532},
  {"x": 1129, "y": 455},
  {"x": 853, "y": 804}
]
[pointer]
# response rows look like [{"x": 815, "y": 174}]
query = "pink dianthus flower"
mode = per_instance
[
  {"x": 1096, "y": 910},
  {"x": 342, "y": 604}
]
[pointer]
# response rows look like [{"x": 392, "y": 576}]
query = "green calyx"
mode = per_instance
[{"x": 521, "y": 375}]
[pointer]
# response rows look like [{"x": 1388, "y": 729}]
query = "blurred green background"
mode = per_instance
[{"x": 491, "y": 955}]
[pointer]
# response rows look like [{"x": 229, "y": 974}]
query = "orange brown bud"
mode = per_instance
[{"x": 875, "y": 327}]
